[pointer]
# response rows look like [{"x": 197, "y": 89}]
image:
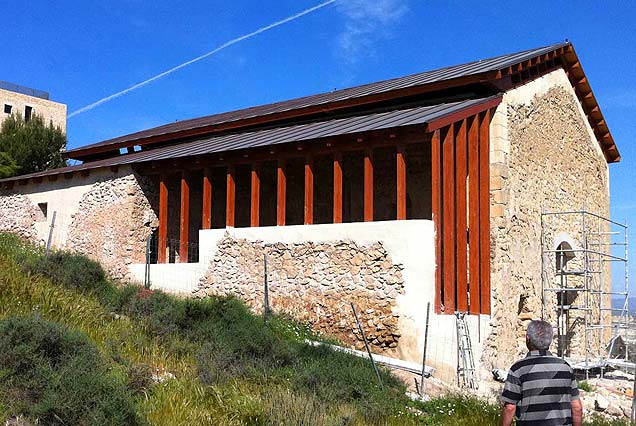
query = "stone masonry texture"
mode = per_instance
[
  {"x": 314, "y": 282},
  {"x": 552, "y": 165},
  {"x": 18, "y": 216},
  {"x": 54, "y": 112},
  {"x": 113, "y": 223}
]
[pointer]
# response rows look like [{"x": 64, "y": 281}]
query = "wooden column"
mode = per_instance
[
  {"x": 281, "y": 193},
  {"x": 438, "y": 220},
  {"x": 184, "y": 218},
  {"x": 337, "y": 187},
  {"x": 163, "y": 219},
  {"x": 462, "y": 228},
  {"x": 230, "y": 197},
  {"x": 255, "y": 204},
  {"x": 309, "y": 191},
  {"x": 368, "y": 185},
  {"x": 401, "y": 183},
  {"x": 448, "y": 210},
  {"x": 484, "y": 210},
  {"x": 473, "y": 215},
  {"x": 206, "y": 214}
]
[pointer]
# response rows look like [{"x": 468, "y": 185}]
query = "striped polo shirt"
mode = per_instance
[{"x": 542, "y": 387}]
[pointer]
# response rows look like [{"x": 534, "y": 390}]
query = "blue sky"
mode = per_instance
[{"x": 83, "y": 51}]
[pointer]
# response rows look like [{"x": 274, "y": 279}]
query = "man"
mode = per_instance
[{"x": 541, "y": 389}]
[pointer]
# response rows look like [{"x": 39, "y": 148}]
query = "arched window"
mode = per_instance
[{"x": 564, "y": 254}]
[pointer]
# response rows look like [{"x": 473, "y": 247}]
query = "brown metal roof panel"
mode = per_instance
[
  {"x": 281, "y": 135},
  {"x": 446, "y": 73}
]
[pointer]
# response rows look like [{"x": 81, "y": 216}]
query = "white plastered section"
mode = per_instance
[{"x": 63, "y": 196}]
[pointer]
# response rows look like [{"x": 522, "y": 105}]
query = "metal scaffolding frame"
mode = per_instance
[{"x": 577, "y": 282}]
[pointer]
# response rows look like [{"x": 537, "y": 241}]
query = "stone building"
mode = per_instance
[
  {"x": 422, "y": 189},
  {"x": 27, "y": 102}
]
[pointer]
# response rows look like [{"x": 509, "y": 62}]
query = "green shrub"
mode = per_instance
[
  {"x": 58, "y": 376},
  {"x": 585, "y": 386},
  {"x": 68, "y": 269},
  {"x": 460, "y": 410},
  {"x": 231, "y": 348},
  {"x": 139, "y": 378},
  {"x": 162, "y": 313},
  {"x": 596, "y": 420},
  {"x": 337, "y": 376}
]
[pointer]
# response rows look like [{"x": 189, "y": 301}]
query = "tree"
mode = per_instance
[
  {"x": 31, "y": 144},
  {"x": 8, "y": 166}
]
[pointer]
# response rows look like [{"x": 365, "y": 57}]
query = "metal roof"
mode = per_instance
[
  {"x": 421, "y": 79},
  {"x": 302, "y": 132}
]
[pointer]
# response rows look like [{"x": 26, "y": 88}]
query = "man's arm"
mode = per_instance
[
  {"x": 577, "y": 412},
  {"x": 508, "y": 414},
  {"x": 575, "y": 403},
  {"x": 510, "y": 397}
]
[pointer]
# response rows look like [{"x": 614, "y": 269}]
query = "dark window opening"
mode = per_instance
[
  {"x": 295, "y": 200},
  {"x": 384, "y": 184},
  {"x": 7, "y": 108},
  {"x": 267, "y": 203},
  {"x": 418, "y": 182},
  {"x": 323, "y": 190},
  {"x": 44, "y": 210},
  {"x": 218, "y": 179},
  {"x": 243, "y": 195},
  {"x": 353, "y": 187},
  {"x": 28, "y": 111}
]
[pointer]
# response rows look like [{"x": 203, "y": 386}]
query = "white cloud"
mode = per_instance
[
  {"x": 366, "y": 22},
  {"x": 623, "y": 99}
]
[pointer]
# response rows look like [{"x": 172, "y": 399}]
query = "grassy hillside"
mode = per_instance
[{"x": 77, "y": 349}]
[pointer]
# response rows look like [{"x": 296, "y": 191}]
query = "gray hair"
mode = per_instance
[{"x": 539, "y": 335}]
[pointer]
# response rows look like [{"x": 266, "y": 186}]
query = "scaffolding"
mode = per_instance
[{"x": 588, "y": 309}]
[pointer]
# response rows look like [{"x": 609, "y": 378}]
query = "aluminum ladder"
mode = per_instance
[{"x": 466, "y": 360}]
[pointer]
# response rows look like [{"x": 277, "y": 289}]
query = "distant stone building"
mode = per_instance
[
  {"x": 27, "y": 102},
  {"x": 422, "y": 189}
]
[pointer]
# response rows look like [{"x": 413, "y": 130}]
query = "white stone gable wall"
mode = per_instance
[{"x": 544, "y": 157}]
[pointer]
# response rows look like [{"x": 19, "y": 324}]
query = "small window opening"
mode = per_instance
[
  {"x": 44, "y": 210},
  {"x": 28, "y": 111},
  {"x": 564, "y": 254},
  {"x": 7, "y": 108},
  {"x": 136, "y": 148}
]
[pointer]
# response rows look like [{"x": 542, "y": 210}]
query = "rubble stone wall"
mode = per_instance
[
  {"x": 314, "y": 282},
  {"x": 544, "y": 157},
  {"x": 18, "y": 216},
  {"x": 113, "y": 223},
  {"x": 106, "y": 215}
]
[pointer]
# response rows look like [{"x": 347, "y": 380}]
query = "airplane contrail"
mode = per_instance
[{"x": 198, "y": 58}]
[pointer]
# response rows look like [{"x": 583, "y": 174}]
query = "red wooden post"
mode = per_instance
[
  {"x": 448, "y": 178},
  {"x": 401, "y": 183},
  {"x": 256, "y": 196},
  {"x": 163, "y": 219},
  {"x": 462, "y": 228},
  {"x": 438, "y": 220},
  {"x": 368, "y": 185},
  {"x": 281, "y": 193},
  {"x": 473, "y": 215},
  {"x": 184, "y": 222},
  {"x": 337, "y": 187},
  {"x": 230, "y": 196},
  {"x": 484, "y": 210},
  {"x": 206, "y": 214},
  {"x": 309, "y": 191}
]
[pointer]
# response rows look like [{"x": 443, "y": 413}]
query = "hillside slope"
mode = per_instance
[{"x": 178, "y": 361}]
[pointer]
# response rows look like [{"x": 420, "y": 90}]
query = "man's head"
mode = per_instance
[{"x": 539, "y": 335}]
